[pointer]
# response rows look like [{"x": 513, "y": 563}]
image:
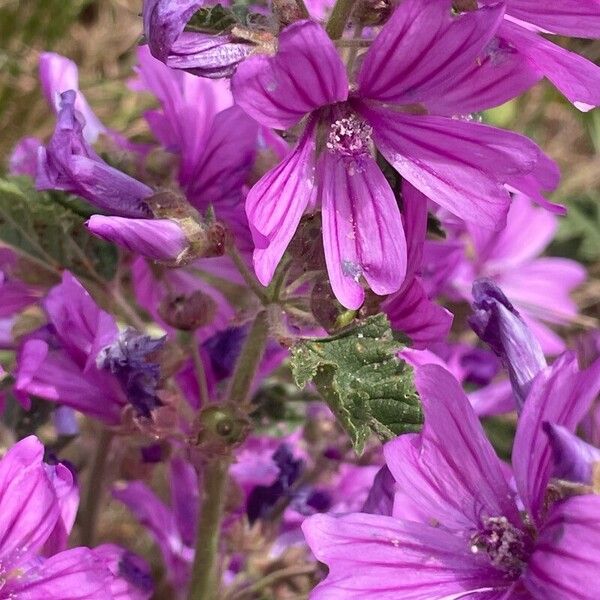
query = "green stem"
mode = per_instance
[
  {"x": 204, "y": 584},
  {"x": 249, "y": 360},
  {"x": 339, "y": 17},
  {"x": 95, "y": 486},
  {"x": 200, "y": 372},
  {"x": 273, "y": 578},
  {"x": 248, "y": 276}
]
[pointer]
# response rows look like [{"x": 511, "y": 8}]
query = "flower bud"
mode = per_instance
[
  {"x": 220, "y": 428},
  {"x": 157, "y": 239},
  {"x": 499, "y": 325},
  {"x": 187, "y": 311}
]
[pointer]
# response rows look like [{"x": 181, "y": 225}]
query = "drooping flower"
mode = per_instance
[
  {"x": 202, "y": 54},
  {"x": 458, "y": 529},
  {"x": 69, "y": 163},
  {"x": 81, "y": 360},
  {"x": 411, "y": 68},
  {"x": 539, "y": 287}
]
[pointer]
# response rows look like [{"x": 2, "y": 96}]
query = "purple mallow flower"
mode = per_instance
[
  {"x": 31, "y": 510},
  {"x": 81, "y": 360},
  {"x": 539, "y": 287},
  {"x": 69, "y": 163},
  {"x": 458, "y": 529},
  {"x": 425, "y": 66},
  {"x": 202, "y": 54}
]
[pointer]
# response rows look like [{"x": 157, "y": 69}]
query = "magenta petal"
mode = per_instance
[
  {"x": 413, "y": 313},
  {"x": 59, "y": 74},
  {"x": 423, "y": 47},
  {"x": 157, "y": 239},
  {"x": 305, "y": 74},
  {"x": 277, "y": 202},
  {"x": 560, "y": 395},
  {"x": 450, "y": 469},
  {"x": 378, "y": 557},
  {"x": 28, "y": 504},
  {"x": 414, "y": 218},
  {"x": 460, "y": 165},
  {"x": 362, "y": 228},
  {"x": 576, "y": 77},
  {"x": 184, "y": 492},
  {"x": 83, "y": 328},
  {"x": 75, "y": 574},
  {"x": 575, "y": 18},
  {"x": 23, "y": 158},
  {"x": 566, "y": 560}
]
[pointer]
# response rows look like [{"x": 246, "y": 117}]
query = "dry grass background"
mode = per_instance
[{"x": 101, "y": 35}]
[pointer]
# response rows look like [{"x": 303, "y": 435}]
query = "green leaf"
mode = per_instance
[
  {"x": 359, "y": 375},
  {"x": 50, "y": 234},
  {"x": 579, "y": 232}
]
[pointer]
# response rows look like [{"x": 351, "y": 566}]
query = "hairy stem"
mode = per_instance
[
  {"x": 199, "y": 371},
  {"x": 339, "y": 17},
  {"x": 95, "y": 486},
  {"x": 204, "y": 584},
  {"x": 248, "y": 276},
  {"x": 249, "y": 360}
]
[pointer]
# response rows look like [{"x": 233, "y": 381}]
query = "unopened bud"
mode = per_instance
[
  {"x": 219, "y": 428},
  {"x": 187, "y": 311},
  {"x": 373, "y": 12}
]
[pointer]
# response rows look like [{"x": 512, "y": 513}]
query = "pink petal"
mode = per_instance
[
  {"x": 576, "y": 77},
  {"x": 460, "y": 165},
  {"x": 450, "y": 469},
  {"x": 277, "y": 202},
  {"x": 566, "y": 560},
  {"x": 414, "y": 314},
  {"x": 575, "y": 18},
  {"x": 306, "y": 73},
  {"x": 378, "y": 557},
  {"x": 561, "y": 395},
  {"x": 424, "y": 48},
  {"x": 362, "y": 228}
]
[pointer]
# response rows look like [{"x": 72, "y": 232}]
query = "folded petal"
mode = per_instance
[
  {"x": 573, "y": 458},
  {"x": 277, "y": 202},
  {"x": 414, "y": 314},
  {"x": 305, "y": 74},
  {"x": 59, "y": 74},
  {"x": 75, "y": 574},
  {"x": 362, "y": 229},
  {"x": 575, "y": 18},
  {"x": 561, "y": 395},
  {"x": 576, "y": 77},
  {"x": 157, "y": 239},
  {"x": 566, "y": 560},
  {"x": 460, "y": 165},
  {"x": 414, "y": 218},
  {"x": 375, "y": 556},
  {"x": 424, "y": 47},
  {"x": 23, "y": 158},
  {"x": 450, "y": 469}
]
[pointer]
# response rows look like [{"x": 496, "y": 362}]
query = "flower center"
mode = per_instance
[
  {"x": 503, "y": 543},
  {"x": 349, "y": 136}
]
